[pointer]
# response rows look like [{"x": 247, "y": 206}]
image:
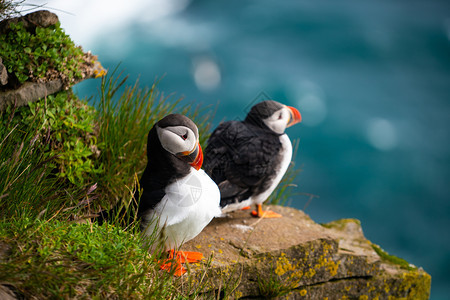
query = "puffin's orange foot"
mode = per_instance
[
  {"x": 245, "y": 208},
  {"x": 189, "y": 256},
  {"x": 179, "y": 269},
  {"x": 178, "y": 258},
  {"x": 267, "y": 214}
]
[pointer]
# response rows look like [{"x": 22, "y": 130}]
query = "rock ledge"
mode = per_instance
[{"x": 296, "y": 258}]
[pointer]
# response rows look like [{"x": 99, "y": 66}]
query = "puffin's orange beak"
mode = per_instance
[
  {"x": 194, "y": 157},
  {"x": 296, "y": 117},
  {"x": 198, "y": 160}
]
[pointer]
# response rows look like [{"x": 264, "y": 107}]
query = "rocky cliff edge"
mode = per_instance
[{"x": 295, "y": 258}]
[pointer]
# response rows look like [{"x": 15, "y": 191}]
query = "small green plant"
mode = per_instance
[
  {"x": 74, "y": 143},
  {"x": 272, "y": 286},
  {"x": 46, "y": 53},
  {"x": 68, "y": 126}
]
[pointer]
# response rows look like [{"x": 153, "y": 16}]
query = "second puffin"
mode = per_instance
[{"x": 248, "y": 159}]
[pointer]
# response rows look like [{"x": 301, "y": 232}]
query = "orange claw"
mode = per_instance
[
  {"x": 245, "y": 208},
  {"x": 189, "y": 256},
  {"x": 179, "y": 269},
  {"x": 180, "y": 257},
  {"x": 264, "y": 214}
]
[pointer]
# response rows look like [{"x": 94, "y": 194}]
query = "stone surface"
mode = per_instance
[
  {"x": 6, "y": 293},
  {"x": 28, "y": 92},
  {"x": 3, "y": 74},
  {"x": 33, "y": 91},
  {"x": 41, "y": 18},
  {"x": 296, "y": 258}
]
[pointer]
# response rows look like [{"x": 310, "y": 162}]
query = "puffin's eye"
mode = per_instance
[
  {"x": 280, "y": 116},
  {"x": 184, "y": 136}
]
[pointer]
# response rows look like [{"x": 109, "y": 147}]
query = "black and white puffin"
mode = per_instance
[
  {"x": 247, "y": 159},
  {"x": 178, "y": 197}
]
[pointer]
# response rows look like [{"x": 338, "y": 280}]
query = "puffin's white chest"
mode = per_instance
[
  {"x": 189, "y": 205},
  {"x": 286, "y": 156}
]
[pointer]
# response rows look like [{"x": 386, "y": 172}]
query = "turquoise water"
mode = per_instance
[{"x": 372, "y": 81}]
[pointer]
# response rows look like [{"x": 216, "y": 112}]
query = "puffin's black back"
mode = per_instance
[{"x": 240, "y": 158}]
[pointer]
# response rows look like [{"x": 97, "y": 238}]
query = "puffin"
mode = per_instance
[
  {"x": 247, "y": 159},
  {"x": 177, "y": 199}
]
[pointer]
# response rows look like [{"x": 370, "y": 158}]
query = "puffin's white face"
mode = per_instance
[
  {"x": 177, "y": 139},
  {"x": 279, "y": 120}
]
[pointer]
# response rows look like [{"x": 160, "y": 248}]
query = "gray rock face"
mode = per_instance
[
  {"x": 41, "y": 18},
  {"x": 295, "y": 258},
  {"x": 6, "y": 293},
  {"x": 29, "y": 92}
]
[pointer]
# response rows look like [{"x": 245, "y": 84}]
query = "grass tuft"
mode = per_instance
[
  {"x": 27, "y": 187},
  {"x": 273, "y": 286}
]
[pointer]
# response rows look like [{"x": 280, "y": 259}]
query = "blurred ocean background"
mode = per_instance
[{"x": 371, "y": 79}]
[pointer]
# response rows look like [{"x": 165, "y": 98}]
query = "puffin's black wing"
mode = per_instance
[
  {"x": 241, "y": 159},
  {"x": 152, "y": 190}
]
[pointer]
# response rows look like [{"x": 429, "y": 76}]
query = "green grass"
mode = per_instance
[
  {"x": 27, "y": 186},
  {"x": 56, "y": 259}
]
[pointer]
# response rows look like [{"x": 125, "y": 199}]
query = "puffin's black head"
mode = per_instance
[
  {"x": 178, "y": 135},
  {"x": 274, "y": 115}
]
